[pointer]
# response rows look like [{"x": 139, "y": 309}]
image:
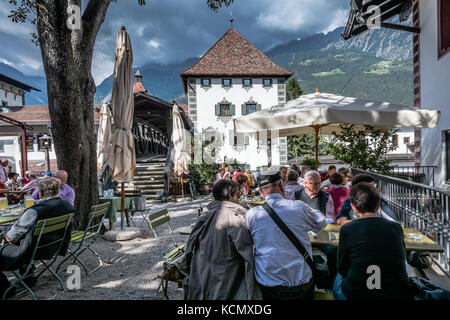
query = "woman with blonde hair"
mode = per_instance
[{"x": 251, "y": 180}]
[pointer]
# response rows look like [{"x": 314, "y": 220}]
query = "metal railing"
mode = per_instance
[
  {"x": 420, "y": 207},
  {"x": 420, "y": 174}
]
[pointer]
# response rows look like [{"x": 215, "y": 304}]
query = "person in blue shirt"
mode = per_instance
[{"x": 280, "y": 270}]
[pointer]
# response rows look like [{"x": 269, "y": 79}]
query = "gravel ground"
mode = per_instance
[{"x": 130, "y": 267}]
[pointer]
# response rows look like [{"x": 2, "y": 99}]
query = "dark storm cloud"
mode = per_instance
[{"x": 166, "y": 31}]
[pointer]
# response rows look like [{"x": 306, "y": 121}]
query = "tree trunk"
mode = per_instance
[{"x": 67, "y": 58}]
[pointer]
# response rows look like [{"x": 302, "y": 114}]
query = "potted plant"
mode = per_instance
[{"x": 203, "y": 176}]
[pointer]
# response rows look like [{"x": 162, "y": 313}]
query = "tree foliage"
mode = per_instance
[
  {"x": 364, "y": 149},
  {"x": 293, "y": 89},
  {"x": 305, "y": 145}
]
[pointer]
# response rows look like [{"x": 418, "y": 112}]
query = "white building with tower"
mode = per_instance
[{"x": 234, "y": 78}]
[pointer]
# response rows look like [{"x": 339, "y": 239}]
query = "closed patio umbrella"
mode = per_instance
[
  {"x": 180, "y": 152},
  {"x": 325, "y": 112},
  {"x": 103, "y": 135},
  {"x": 121, "y": 155}
]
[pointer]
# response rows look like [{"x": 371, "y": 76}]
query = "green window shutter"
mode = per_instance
[
  {"x": 247, "y": 140},
  {"x": 217, "y": 109},
  {"x": 233, "y": 110},
  {"x": 258, "y": 107},
  {"x": 243, "y": 109}
]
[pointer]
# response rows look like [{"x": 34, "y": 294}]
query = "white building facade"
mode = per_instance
[
  {"x": 433, "y": 70},
  {"x": 12, "y": 92},
  {"x": 231, "y": 80}
]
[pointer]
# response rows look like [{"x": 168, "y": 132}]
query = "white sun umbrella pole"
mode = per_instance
[
  {"x": 180, "y": 154},
  {"x": 121, "y": 156},
  {"x": 325, "y": 112}
]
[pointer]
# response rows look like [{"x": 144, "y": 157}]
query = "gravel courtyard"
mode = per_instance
[{"x": 130, "y": 267}]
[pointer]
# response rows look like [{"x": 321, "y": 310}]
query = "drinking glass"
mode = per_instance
[
  {"x": 29, "y": 201},
  {"x": 3, "y": 203}
]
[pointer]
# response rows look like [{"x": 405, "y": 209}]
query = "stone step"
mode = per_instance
[
  {"x": 150, "y": 160},
  {"x": 155, "y": 177},
  {"x": 152, "y": 193},
  {"x": 148, "y": 173},
  {"x": 140, "y": 182},
  {"x": 149, "y": 165},
  {"x": 148, "y": 170},
  {"x": 150, "y": 186}
]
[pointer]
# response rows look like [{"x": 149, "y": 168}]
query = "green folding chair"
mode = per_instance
[
  {"x": 42, "y": 227},
  {"x": 85, "y": 239},
  {"x": 156, "y": 219}
]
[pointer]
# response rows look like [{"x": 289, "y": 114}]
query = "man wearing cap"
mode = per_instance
[{"x": 279, "y": 268}]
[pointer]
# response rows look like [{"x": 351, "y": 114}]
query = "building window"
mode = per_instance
[
  {"x": 226, "y": 82},
  {"x": 29, "y": 142},
  {"x": 2, "y": 146},
  {"x": 250, "y": 108},
  {"x": 3, "y": 85},
  {"x": 206, "y": 82},
  {"x": 247, "y": 82},
  {"x": 395, "y": 142},
  {"x": 406, "y": 140},
  {"x": 4, "y": 103},
  {"x": 11, "y": 88},
  {"x": 443, "y": 27},
  {"x": 19, "y": 91},
  {"x": 225, "y": 109},
  {"x": 267, "y": 82}
]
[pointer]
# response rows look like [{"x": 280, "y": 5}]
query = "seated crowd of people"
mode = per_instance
[
  {"x": 235, "y": 253},
  {"x": 52, "y": 197}
]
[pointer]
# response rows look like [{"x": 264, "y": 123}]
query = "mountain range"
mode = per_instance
[{"x": 376, "y": 65}]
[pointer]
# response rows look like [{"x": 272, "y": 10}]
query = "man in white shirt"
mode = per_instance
[
  {"x": 327, "y": 183},
  {"x": 280, "y": 270}
]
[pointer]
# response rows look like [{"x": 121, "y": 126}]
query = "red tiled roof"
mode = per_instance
[
  {"x": 138, "y": 87},
  {"x": 34, "y": 115},
  {"x": 233, "y": 55}
]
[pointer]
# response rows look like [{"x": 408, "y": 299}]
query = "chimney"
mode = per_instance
[{"x": 138, "y": 76}]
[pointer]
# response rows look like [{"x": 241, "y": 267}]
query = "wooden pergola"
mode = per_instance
[
  {"x": 360, "y": 14},
  {"x": 24, "y": 127}
]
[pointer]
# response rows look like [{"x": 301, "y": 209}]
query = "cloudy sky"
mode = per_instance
[{"x": 166, "y": 31}]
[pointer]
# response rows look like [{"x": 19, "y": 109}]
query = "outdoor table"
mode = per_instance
[
  {"x": 11, "y": 215},
  {"x": 329, "y": 236},
  {"x": 12, "y": 191},
  {"x": 115, "y": 205}
]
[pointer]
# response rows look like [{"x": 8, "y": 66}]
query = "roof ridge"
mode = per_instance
[
  {"x": 199, "y": 59},
  {"x": 234, "y": 55}
]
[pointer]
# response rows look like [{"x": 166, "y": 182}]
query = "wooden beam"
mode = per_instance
[{"x": 400, "y": 27}]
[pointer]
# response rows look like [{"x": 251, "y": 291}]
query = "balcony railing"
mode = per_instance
[
  {"x": 420, "y": 174},
  {"x": 421, "y": 207}
]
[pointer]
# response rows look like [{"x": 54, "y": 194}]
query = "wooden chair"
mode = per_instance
[{"x": 85, "y": 239}]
